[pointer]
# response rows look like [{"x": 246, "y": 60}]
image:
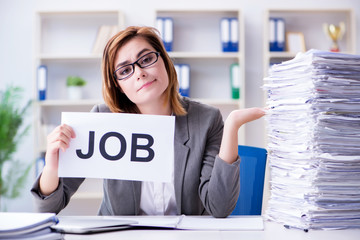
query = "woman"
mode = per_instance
[{"x": 139, "y": 77}]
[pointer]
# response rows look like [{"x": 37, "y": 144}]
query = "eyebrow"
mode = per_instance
[{"x": 137, "y": 57}]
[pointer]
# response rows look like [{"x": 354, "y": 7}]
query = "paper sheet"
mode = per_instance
[{"x": 123, "y": 146}]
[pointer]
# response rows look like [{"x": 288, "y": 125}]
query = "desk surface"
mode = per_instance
[{"x": 272, "y": 231}]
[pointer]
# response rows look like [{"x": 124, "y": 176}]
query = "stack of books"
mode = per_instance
[{"x": 313, "y": 125}]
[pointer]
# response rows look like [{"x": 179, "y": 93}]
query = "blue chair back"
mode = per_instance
[{"x": 252, "y": 175}]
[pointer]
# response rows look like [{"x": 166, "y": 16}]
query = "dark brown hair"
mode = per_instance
[{"x": 115, "y": 99}]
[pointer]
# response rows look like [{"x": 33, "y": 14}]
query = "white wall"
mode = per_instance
[{"x": 16, "y": 42}]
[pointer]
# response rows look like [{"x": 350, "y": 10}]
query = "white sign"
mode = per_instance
[{"x": 119, "y": 146}]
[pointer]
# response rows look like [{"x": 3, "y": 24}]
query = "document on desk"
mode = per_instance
[
  {"x": 231, "y": 223},
  {"x": 245, "y": 223},
  {"x": 119, "y": 146}
]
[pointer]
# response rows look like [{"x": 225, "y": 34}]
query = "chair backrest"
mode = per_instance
[{"x": 252, "y": 174}]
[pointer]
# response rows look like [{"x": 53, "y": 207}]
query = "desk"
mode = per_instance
[{"x": 272, "y": 231}]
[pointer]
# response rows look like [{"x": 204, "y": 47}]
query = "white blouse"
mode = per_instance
[{"x": 158, "y": 198}]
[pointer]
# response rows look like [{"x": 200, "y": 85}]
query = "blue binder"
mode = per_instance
[
  {"x": 225, "y": 34},
  {"x": 229, "y": 34},
  {"x": 234, "y": 34},
  {"x": 276, "y": 34},
  {"x": 183, "y": 74},
  {"x": 42, "y": 82},
  {"x": 165, "y": 25}
]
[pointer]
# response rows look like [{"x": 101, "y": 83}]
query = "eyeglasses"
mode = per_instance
[{"x": 126, "y": 71}]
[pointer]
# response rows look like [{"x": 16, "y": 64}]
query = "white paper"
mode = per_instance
[
  {"x": 314, "y": 138},
  {"x": 231, "y": 223},
  {"x": 159, "y": 128}
]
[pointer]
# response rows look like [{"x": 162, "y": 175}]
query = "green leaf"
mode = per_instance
[{"x": 11, "y": 133}]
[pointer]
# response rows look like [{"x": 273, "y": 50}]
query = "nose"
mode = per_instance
[{"x": 139, "y": 72}]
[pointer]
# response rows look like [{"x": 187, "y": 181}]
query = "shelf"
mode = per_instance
[
  {"x": 92, "y": 102},
  {"x": 82, "y": 57},
  {"x": 281, "y": 55},
  {"x": 61, "y": 103},
  {"x": 213, "y": 55},
  {"x": 219, "y": 102},
  {"x": 309, "y": 22}
]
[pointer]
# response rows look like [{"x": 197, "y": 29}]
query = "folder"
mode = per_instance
[
  {"x": 225, "y": 34},
  {"x": 235, "y": 80},
  {"x": 229, "y": 34},
  {"x": 276, "y": 34},
  {"x": 183, "y": 74},
  {"x": 234, "y": 35},
  {"x": 42, "y": 82},
  {"x": 165, "y": 25}
]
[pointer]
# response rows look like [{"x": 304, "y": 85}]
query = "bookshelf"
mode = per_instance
[
  {"x": 64, "y": 43},
  {"x": 309, "y": 22},
  {"x": 197, "y": 42}
]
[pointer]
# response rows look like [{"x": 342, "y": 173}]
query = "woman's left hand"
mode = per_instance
[{"x": 229, "y": 144}]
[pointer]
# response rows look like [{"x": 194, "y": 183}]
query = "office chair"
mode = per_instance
[{"x": 252, "y": 174}]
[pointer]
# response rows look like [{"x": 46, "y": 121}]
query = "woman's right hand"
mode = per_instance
[{"x": 58, "y": 139}]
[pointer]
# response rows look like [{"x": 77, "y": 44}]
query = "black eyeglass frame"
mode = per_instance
[{"x": 137, "y": 63}]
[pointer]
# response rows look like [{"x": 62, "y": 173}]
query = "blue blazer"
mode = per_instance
[{"x": 204, "y": 183}]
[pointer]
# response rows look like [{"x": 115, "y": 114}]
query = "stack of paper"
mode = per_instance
[
  {"x": 314, "y": 141},
  {"x": 28, "y": 226}
]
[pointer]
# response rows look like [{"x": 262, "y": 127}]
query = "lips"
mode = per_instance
[{"x": 145, "y": 85}]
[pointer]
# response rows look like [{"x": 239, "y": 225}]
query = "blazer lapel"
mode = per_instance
[
  {"x": 181, "y": 152},
  {"x": 137, "y": 195}
]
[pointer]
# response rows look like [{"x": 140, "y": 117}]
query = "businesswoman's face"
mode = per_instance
[{"x": 145, "y": 81}]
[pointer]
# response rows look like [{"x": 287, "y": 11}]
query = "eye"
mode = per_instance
[
  {"x": 126, "y": 70},
  {"x": 147, "y": 59}
]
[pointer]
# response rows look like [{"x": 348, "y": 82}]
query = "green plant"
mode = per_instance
[
  {"x": 75, "y": 81},
  {"x": 13, "y": 173}
]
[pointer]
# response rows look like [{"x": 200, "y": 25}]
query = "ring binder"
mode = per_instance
[
  {"x": 42, "y": 82},
  {"x": 277, "y": 34},
  {"x": 229, "y": 34},
  {"x": 165, "y": 26},
  {"x": 183, "y": 73}
]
